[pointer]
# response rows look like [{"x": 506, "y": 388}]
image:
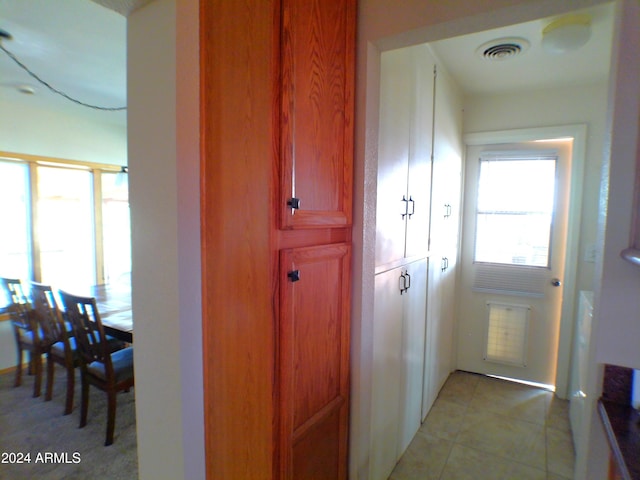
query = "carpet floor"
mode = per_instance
[{"x": 58, "y": 449}]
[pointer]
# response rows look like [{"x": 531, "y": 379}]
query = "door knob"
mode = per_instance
[{"x": 556, "y": 282}]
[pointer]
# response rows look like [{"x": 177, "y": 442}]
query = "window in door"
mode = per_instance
[{"x": 515, "y": 209}]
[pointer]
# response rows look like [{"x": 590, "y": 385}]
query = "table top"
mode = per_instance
[{"x": 114, "y": 306}]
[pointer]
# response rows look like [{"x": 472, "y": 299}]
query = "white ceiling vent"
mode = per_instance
[{"x": 503, "y": 48}]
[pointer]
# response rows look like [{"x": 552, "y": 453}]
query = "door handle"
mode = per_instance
[
  {"x": 413, "y": 206},
  {"x": 556, "y": 282},
  {"x": 406, "y": 206}
]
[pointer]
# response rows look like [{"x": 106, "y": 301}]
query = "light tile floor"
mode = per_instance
[{"x": 482, "y": 428}]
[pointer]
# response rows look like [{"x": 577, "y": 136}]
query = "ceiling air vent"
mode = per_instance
[{"x": 502, "y": 48}]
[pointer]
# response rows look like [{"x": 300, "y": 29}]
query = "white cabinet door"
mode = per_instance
[
  {"x": 396, "y": 92},
  {"x": 386, "y": 373},
  {"x": 404, "y": 154},
  {"x": 413, "y": 343},
  {"x": 398, "y": 363},
  {"x": 444, "y": 237},
  {"x": 419, "y": 175}
]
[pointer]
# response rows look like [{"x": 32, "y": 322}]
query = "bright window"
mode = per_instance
[
  {"x": 15, "y": 241},
  {"x": 64, "y": 223},
  {"x": 65, "y": 227},
  {"x": 116, "y": 231},
  {"x": 515, "y": 210}
]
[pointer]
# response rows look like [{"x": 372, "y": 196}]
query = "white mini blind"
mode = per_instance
[{"x": 507, "y": 333}]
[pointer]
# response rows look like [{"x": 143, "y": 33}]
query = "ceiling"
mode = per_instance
[
  {"x": 79, "y": 47},
  {"x": 535, "y": 68}
]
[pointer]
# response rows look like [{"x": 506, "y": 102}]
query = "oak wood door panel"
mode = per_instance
[
  {"x": 316, "y": 143},
  {"x": 314, "y": 361}
]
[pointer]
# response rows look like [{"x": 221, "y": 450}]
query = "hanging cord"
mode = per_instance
[{"x": 55, "y": 90}]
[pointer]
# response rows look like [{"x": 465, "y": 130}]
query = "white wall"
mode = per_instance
[
  {"x": 164, "y": 197},
  {"x": 84, "y": 137}
]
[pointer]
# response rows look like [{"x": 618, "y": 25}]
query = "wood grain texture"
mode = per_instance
[
  {"x": 314, "y": 362},
  {"x": 317, "y": 65},
  {"x": 239, "y": 259},
  {"x": 248, "y": 365}
]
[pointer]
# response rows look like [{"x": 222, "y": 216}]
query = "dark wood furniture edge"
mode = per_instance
[
  {"x": 608, "y": 412},
  {"x": 119, "y": 334}
]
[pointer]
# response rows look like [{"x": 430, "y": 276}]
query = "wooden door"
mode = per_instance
[
  {"x": 314, "y": 362},
  {"x": 316, "y": 118}
]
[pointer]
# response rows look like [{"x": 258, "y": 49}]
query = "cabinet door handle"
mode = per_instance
[
  {"x": 413, "y": 206},
  {"x": 294, "y": 203},
  {"x": 407, "y": 284},
  {"x": 447, "y": 210},
  {"x": 444, "y": 265},
  {"x": 294, "y": 275},
  {"x": 406, "y": 206},
  {"x": 402, "y": 281}
]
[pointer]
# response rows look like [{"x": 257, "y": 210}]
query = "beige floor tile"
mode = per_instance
[
  {"x": 558, "y": 416},
  {"x": 503, "y": 436},
  {"x": 560, "y": 454},
  {"x": 445, "y": 419},
  {"x": 459, "y": 387},
  {"x": 511, "y": 399},
  {"x": 424, "y": 459},
  {"x": 467, "y": 463}
]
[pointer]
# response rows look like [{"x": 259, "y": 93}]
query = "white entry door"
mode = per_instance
[{"x": 513, "y": 256}]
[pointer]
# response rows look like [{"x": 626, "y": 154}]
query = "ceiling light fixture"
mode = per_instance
[{"x": 567, "y": 33}]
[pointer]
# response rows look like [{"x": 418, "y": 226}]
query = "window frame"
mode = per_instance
[
  {"x": 96, "y": 169},
  {"x": 525, "y": 155}
]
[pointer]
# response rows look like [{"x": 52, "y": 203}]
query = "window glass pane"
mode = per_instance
[
  {"x": 15, "y": 241},
  {"x": 65, "y": 227},
  {"x": 515, "y": 210},
  {"x": 116, "y": 227}
]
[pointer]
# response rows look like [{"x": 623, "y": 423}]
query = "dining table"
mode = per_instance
[{"x": 114, "y": 305}]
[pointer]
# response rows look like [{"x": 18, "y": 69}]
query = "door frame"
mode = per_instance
[{"x": 579, "y": 134}]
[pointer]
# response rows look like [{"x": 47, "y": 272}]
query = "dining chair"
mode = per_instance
[
  {"x": 26, "y": 333},
  {"x": 109, "y": 372},
  {"x": 58, "y": 335}
]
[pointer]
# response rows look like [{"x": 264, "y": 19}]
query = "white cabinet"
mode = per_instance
[
  {"x": 444, "y": 237},
  {"x": 398, "y": 343},
  {"x": 417, "y": 217},
  {"x": 404, "y": 155}
]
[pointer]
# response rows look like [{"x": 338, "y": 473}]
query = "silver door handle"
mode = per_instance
[{"x": 556, "y": 282}]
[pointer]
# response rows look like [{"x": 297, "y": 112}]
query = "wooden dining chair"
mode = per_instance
[
  {"x": 110, "y": 372},
  {"x": 58, "y": 336},
  {"x": 26, "y": 333}
]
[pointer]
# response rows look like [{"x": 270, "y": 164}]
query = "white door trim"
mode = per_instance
[{"x": 579, "y": 134}]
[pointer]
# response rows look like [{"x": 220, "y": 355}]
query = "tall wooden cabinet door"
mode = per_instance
[
  {"x": 386, "y": 372},
  {"x": 314, "y": 362},
  {"x": 316, "y": 118}
]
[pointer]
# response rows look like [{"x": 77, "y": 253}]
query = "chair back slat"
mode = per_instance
[
  {"x": 19, "y": 307},
  {"x": 47, "y": 314},
  {"x": 91, "y": 342}
]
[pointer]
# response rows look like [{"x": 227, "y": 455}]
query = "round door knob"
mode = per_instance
[{"x": 556, "y": 282}]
